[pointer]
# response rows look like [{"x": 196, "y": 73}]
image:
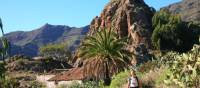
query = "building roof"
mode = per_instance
[{"x": 72, "y": 74}]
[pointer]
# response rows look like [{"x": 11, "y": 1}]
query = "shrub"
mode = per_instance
[
  {"x": 17, "y": 57},
  {"x": 119, "y": 80},
  {"x": 22, "y": 61},
  {"x": 90, "y": 84},
  {"x": 185, "y": 69},
  {"x": 171, "y": 33},
  {"x": 2, "y": 70},
  {"x": 9, "y": 83},
  {"x": 35, "y": 84},
  {"x": 56, "y": 51},
  {"x": 87, "y": 84},
  {"x": 146, "y": 67}
]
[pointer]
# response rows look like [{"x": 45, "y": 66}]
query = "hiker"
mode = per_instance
[{"x": 133, "y": 81}]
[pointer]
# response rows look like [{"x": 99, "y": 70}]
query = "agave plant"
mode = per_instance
[
  {"x": 104, "y": 55},
  {"x": 5, "y": 44},
  {"x": 3, "y": 53}
]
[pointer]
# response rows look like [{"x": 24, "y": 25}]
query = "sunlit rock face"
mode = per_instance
[{"x": 128, "y": 18}]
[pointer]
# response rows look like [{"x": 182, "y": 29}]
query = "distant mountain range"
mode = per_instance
[
  {"x": 188, "y": 9},
  {"x": 28, "y": 43}
]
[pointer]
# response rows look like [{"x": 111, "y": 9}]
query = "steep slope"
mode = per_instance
[
  {"x": 27, "y": 43},
  {"x": 128, "y": 18},
  {"x": 188, "y": 9}
]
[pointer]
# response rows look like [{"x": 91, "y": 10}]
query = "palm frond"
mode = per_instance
[{"x": 104, "y": 50}]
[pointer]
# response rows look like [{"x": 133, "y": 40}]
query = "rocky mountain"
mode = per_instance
[
  {"x": 28, "y": 43},
  {"x": 128, "y": 18},
  {"x": 188, "y": 9}
]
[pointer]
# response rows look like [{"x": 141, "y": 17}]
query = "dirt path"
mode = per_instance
[{"x": 43, "y": 79}]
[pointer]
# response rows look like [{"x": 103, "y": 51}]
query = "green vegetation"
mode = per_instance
[
  {"x": 107, "y": 53},
  {"x": 9, "y": 83},
  {"x": 119, "y": 80},
  {"x": 87, "y": 84},
  {"x": 171, "y": 33},
  {"x": 106, "y": 60},
  {"x": 5, "y": 82},
  {"x": 56, "y": 51},
  {"x": 185, "y": 69},
  {"x": 5, "y": 44}
]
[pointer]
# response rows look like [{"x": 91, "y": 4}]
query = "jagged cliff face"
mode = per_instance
[
  {"x": 188, "y": 9},
  {"x": 130, "y": 18}
]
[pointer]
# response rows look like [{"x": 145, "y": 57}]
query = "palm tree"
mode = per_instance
[{"x": 104, "y": 55}]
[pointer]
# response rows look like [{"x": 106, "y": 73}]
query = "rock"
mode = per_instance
[{"x": 128, "y": 18}]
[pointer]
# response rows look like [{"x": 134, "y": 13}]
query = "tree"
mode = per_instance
[
  {"x": 171, "y": 33},
  {"x": 56, "y": 51},
  {"x": 104, "y": 55}
]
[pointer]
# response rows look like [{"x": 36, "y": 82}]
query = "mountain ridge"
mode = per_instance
[
  {"x": 188, "y": 9},
  {"x": 28, "y": 42}
]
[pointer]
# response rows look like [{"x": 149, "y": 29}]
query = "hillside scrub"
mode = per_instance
[
  {"x": 185, "y": 69},
  {"x": 4, "y": 80},
  {"x": 171, "y": 33},
  {"x": 120, "y": 79},
  {"x": 58, "y": 52},
  {"x": 22, "y": 63}
]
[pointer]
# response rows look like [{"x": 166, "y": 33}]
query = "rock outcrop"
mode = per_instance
[
  {"x": 128, "y": 18},
  {"x": 188, "y": 9}
]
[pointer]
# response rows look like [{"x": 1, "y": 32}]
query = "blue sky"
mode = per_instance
[{"x": 27, "y": 15}]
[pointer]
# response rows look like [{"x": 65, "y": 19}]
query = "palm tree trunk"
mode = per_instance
[{"x": 107, "y": 79}]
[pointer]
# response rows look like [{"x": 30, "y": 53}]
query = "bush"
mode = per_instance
[
  {"x": 146, "y": 67},
  {"x": 56, "y": 51},
  {"x": 90, "y": 84},
  {"x": 17, "y": 57},
  {"x": 9, "y": 83},
  {"x": 171, "y": 33},
  {"x": 35, "y": 84},
  {"x": 22, "y": 61},
  {"x": 2, "y": 70},
  {"x": 87, "y": 84},
  {"x": 185, "y": 69},
  {"x": 119, "y": 80}
]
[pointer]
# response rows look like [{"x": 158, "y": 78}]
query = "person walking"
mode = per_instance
[{"x": 133, "y": 81}]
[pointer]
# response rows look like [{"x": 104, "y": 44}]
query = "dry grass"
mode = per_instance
[{"x": 155, "y": 78}]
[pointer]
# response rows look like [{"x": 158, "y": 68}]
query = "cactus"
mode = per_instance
[{"x": 185, "y": 69}]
